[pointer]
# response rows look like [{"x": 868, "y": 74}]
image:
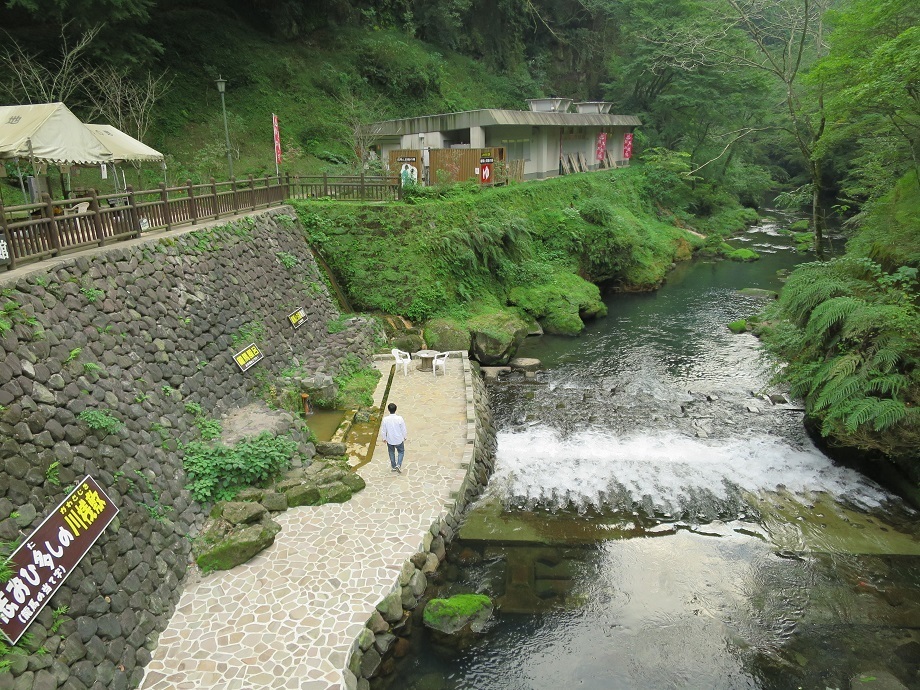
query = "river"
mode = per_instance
[{"x": 658, "y": 518}]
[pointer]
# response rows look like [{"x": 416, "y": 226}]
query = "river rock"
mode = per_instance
[
  {"x": 877, "y": 680},
  {"x": 496, "y": 337},
  {"x": 453, "y": 615}
]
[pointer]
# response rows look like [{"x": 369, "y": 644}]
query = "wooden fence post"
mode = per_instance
[
  {"x": 362, "y": 185},
  {"x": 167, "y": 212},
  {"x": 287, "y": 191},
  {"x": 214, "y": 192},
  {"x": 133, "y": 216},
  {"x": 7, "y": 239},
  {"x": 325, "y": 185},
  {"x": 53, "y": 227},
  {"x": 192, "y": 210},
  {"x": 97, "y": 219},
  {"x": 252, "y": 193}
]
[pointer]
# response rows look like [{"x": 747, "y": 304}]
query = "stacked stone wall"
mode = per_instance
[
  {"x": 391, "y": 622},
  {"x": 144, "y": 335}
]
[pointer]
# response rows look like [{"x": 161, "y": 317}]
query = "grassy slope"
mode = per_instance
[
  {"x": 297, "y": 80},
  {"x": 459, "y": 255}
]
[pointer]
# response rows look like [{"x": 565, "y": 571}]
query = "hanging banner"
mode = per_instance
[
  {"x": 601, "y": 148},
  {"x": 276, "y": 133},
  {"x": 44, "y": 560},
  {"x": 627, "y": 145}
]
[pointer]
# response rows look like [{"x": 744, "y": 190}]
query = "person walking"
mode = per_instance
[{"x": 393, "y": 433}]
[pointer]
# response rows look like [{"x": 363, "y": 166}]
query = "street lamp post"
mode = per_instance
[{"x": 221, "y": 87}]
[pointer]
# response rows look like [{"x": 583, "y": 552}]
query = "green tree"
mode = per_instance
[{"x": 872, "y": 76}]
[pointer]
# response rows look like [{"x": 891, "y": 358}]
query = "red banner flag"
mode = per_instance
[
  {"x": 601, "y": 148},
  {"x": 627, "y": 145},
  {"x": 277, "y": 134}
]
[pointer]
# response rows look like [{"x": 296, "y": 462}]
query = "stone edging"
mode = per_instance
[{"x": 392, "y": 615}]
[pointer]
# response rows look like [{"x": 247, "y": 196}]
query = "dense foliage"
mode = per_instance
[
  {"x": 850, "y": 330},
  {"x": 473, "y": 248}
]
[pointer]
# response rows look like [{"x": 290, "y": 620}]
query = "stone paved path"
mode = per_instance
[{"x": 287, "y": 618}]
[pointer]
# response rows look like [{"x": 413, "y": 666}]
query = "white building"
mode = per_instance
[{"x": 546, "y": 137}]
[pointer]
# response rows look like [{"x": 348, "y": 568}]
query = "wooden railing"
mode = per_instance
[
  {"x": 36, "y": 231},
  {"x": 351, "y": 188}
]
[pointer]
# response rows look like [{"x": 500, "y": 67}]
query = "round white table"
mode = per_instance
[{"x": 426, "y": 357}]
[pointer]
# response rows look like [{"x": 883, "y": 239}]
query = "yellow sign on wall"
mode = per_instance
[
  {"x": 298, "y": 318},
  {"x": 248, "y": 356}
]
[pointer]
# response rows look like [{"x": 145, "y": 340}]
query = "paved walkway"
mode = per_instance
[{"x": 288, "y": 618}]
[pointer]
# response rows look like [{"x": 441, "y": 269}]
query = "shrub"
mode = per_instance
[
  {"x": 101, "y": 420},
  {"x": 217, "y": 472}
]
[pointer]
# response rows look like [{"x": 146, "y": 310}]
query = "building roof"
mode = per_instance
[
  {"x": 48, "y": 132},
  {"x": 492, "y": 117},
  {"x": 123, "y": 146}
]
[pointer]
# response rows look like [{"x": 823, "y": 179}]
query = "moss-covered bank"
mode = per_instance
[{"x": 538, "y": 249}]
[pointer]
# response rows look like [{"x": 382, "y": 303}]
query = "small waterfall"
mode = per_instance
[{"x": 663, "y": 473}]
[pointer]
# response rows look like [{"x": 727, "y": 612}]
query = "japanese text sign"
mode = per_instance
[
  {"x": 42, "y": 563},
  {"x": 627, "y": 145},
  {"x": 248, "y": 356},
  {"x": 601, "y": 148},
  {"x": 298, "y": 317}
]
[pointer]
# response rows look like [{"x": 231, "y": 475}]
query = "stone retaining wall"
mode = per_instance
[
  {"x": 392, "y": 618},
  {"x": 143, "y": 335}
]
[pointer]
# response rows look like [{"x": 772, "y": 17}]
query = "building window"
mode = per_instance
[{"x": 517, "y": 149}]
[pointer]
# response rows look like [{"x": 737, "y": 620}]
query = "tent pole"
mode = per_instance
[{"x": 22, "y": 184}]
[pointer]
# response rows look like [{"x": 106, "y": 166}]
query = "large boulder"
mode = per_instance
[
  {"x": 446, "y": 334},
  {"x": 560, "y": 304},
  {"x": 496, "y": 336},
  {"x": 223, "y": 546}
]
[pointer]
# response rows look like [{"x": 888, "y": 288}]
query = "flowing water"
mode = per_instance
[{"x": 658, "y": 518}]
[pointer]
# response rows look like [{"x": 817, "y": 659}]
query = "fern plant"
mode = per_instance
[{"x": 850, "y": 332}]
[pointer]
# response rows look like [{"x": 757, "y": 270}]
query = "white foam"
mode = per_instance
[{"x": 540, "y": 466}]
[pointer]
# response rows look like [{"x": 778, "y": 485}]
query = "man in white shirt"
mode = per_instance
[{"x": 393, "y": 433}]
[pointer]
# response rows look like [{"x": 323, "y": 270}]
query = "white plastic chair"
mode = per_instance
[
  {"x": 402, "y": 358},
  {"x": 440, "y": 360},
  {"x": 76, "y": 210}
]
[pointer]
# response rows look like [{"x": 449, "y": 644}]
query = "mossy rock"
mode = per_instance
[
  {"x": 335, "y": 493},
  {"x": 302, "y": 495},
  {"x": 450, "y": 616},
  {"x": 800, "y": 226},
  {"x": 739, "y": 326},
  {"x": 446, "y": 334},
  {"x": 225, "y": 550},
  {"x": 354, "y": 482},
  {"x": 407, "y": 342},
  {"x": 496, "y": 336},
  {"x": 242, "y": 512},
  {"x": 741, "y": 254},
  {"x": 561, "y": 303}
]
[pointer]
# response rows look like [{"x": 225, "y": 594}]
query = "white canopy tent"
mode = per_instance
[
  {"x": 125, "y": 148},
  {"x": 48, "y": 133}
]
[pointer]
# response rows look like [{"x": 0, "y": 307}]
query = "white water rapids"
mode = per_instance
[{"x": 664, "y": 471}]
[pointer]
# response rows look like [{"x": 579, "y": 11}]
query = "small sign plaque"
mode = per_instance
[
  {"x": 298, "y": 318},
  {"x": 248, "y": 356},
  {"x": 407, "y": 159},
  {"x": 49, "y": 555}
]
